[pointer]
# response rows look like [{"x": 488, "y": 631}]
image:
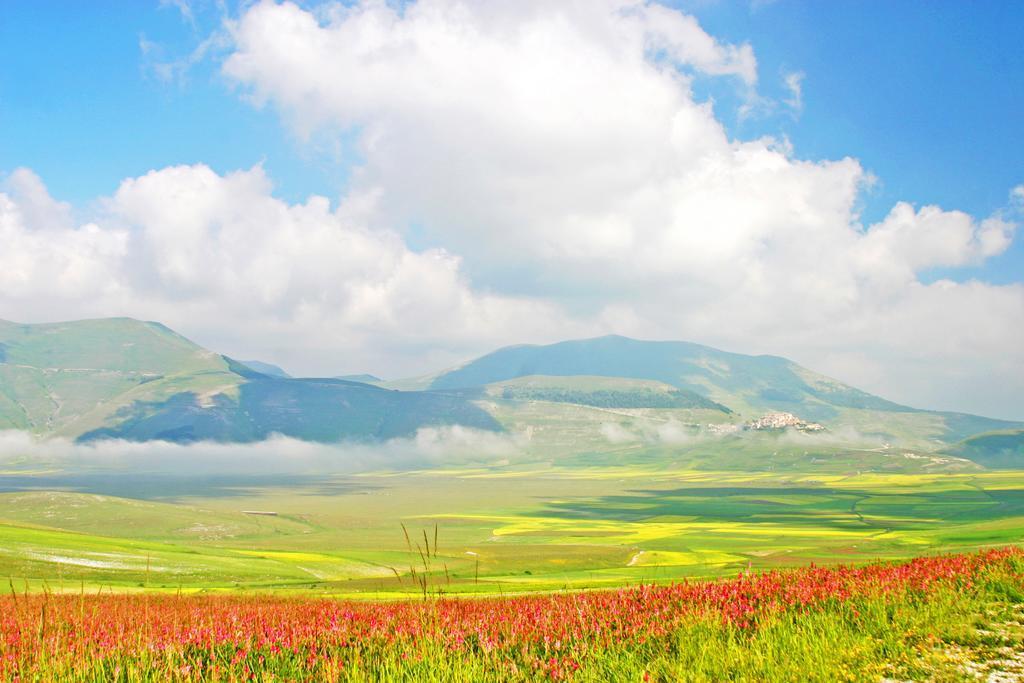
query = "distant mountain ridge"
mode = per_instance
[
  {"x": 129, "y": 379},
  {"x": 997, "y": 449},
  {"x": 759, "y": 383},
  {"x": 69, "y": 378},
  {"x": 265, "y": 368},
  {"x": 747, "y": 385},
  {"x": 124, "y": 378},
  {"x": 364, "y": 378}
]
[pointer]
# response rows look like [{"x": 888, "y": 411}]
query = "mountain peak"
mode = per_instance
[
  {"x": 748, "y": 384},
  {"x": 138, "y": 379}
]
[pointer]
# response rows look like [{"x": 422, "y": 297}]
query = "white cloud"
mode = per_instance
[
  {"x": 54, "y": 263},
  {"x": 685, "y": 42},
  {"x": 221, "y": 259},
  {"x": 175, "y": 69},
  {"x": 667, "y": 432},
  {"x": 616, "y": 433},
  {"x": 512, "y": 132},
  {"x": 276, "y": 455},
  {"x": 930, "y": 237},
  {"x": 34, "y": 202},
  {"x": 794, "y": 82},
  {"x": 559, "y": 151},
  {"x": 1017, "y": 196},
  {"x": 557, "y": 154},
  {"x": 184, "y": 8}
]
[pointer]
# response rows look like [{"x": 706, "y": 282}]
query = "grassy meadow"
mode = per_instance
[
  {"x": 499, "y": 529},
  {"x": 949, "y": 617}
]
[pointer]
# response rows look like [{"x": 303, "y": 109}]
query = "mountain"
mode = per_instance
[
  {"x": 265, "y": 368},
  {"x": 996, "y": 450},
  {"x": 128, "y": 379},
  {"x": 365, "y": 379},
  {"x": 746, "y": 385},
  {"x": 124, "y": 378},
  {"x": 601, "y": 392},
  {"x": 69, "y": 378}
]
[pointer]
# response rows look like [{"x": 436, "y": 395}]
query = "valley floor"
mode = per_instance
[
  {"x": 632, "y": 571},
  {"x": 498, "y": 530}
]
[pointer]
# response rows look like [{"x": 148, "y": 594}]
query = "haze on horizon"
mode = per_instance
[{"x": 392, "y": 189}]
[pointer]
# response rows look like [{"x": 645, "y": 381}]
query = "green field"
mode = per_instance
[{"x": 501, "y": 528}]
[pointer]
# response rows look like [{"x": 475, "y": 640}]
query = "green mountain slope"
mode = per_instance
[
  {"x": 265, "y": 368},
  {"x": 997, "y": 450},
  {"x": 122, "y": 378},
  {"x": 601, "y": 392},
  {"x": 324, "y": 410},
  {"x": 68, "y": 378},
  {"x": 747, "y": 385},
  {"x": 754, "y": 383}
]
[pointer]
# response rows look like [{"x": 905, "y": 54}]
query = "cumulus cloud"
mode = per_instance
[
  {"x": 915, "y": 240},
  {"x": 571, "y": 183},
  {"x": 221, "y": 258},
  {"x": 685, "y": 42},
  {"x": 27, "y": 191},
  {"x": 509, "y": 132},
  {"x": 53, "y": 263},
  {"x": 560, "y": 150}
]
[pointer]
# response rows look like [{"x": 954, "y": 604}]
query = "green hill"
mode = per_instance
[
  {"x": 123, "y": 378},
  {"x": 69, "y": 378},
  {"x": 325, "y": 410},
  {"x": 601, "y": 392},
  {"x": 996, "y": 450},
  {"x": 746, "y": 385},
  {"x": 265, "y": 368}
]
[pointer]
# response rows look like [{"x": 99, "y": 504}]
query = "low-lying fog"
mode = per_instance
[{"x": 22, "y": 452}]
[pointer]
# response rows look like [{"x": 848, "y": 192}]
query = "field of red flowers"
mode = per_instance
[{"x": 813, "y": 623}]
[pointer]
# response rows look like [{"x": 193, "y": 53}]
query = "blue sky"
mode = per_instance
[
  {"x": 926, "y": 96},
  {"x": 107, "y": 115}
]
